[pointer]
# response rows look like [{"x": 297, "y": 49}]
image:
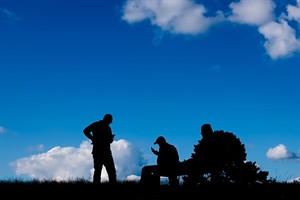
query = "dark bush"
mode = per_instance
[{"x": 221, "y": 158}]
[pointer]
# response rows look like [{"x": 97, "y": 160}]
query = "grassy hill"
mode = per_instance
[{"x": 133, "y": 190}]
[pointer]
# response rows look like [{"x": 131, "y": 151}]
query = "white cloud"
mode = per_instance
[
  {"x": 177, "y": 17},
  {"x": 69, "y": 163},
  {"x": 280, "y": 152},
  {"x": 294, "y": 180},
  {"x": 281, "y": 39},
  {"x": 252, "y": 12},
  {"x": 187, "y": 17},
  {"x": 128, "y": 159},
  {"x": 294, "y": 12},
  {"x": 135, "y": 11}
]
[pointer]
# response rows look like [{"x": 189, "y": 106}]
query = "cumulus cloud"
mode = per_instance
[
  {"x": 177, "y": 17},
  {"x": 281, "y": 39},
  {"x": 186, "y": 17},
  {"x": 280, "y": 152},
  {"x": 71, "y": 163},
  {"x": 294, "y": 12},
  {"x": 252, "y": 12}
]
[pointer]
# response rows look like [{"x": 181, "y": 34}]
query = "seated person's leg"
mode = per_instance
[
  {"x": 173, "y": 180},
  {"x": 150, "y": 175}
]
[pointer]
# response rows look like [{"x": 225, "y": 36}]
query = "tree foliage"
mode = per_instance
[{"x": 221, "y": 158}]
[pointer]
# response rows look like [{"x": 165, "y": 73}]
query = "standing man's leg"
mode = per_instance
[
  {"x": 111, "y": 169},
  {"x": 98, "y": 163}
]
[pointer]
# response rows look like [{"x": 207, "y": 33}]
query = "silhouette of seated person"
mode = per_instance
[
  {"x": 218, "y": 157},
  {"x": 167, "y": 164},
  {"x": 190, "y": 167},
  {"x": 207, "y": 144}
]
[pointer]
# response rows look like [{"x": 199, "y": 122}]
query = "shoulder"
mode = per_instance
[
  {"x": 172, "y": 147},
  {"x": 95, "y": 123}
]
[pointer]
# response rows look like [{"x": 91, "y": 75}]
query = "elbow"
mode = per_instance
[{"x": 85, "y": 131}]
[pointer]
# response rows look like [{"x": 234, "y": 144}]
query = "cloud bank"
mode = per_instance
[
  {"x": 71, "y": 163},
  {"x": 177, "y": 17},
  {"x": 186, "y": 17}
]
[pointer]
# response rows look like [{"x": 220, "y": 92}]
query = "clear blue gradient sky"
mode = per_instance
[{"x": 160, "y": 67}]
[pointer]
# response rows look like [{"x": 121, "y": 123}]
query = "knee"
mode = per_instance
[{"x": 146, "y": 169}]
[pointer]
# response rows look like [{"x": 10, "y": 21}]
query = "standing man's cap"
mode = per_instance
[{"x": 159, "y": 140}]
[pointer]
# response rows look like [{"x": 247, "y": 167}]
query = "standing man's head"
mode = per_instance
[{"x": 108, "y": 119}]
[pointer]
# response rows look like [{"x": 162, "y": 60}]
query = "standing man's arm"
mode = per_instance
[
  {"x": 111, "y": 135},
  {"x": 87, "y": 132}
]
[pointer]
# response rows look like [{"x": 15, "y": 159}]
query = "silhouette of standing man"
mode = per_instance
[{"x": 100, "y": 134}]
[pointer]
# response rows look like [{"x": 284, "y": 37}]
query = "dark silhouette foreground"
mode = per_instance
[
  {"x": 133, "y": 190},
  {"x": 100, "y": 134},
  {"x": 218, "y": 158},
  {"x": 167, "y": 165}
]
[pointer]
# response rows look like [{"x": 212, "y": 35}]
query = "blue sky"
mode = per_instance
[{"x": 160, "y": 67}]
